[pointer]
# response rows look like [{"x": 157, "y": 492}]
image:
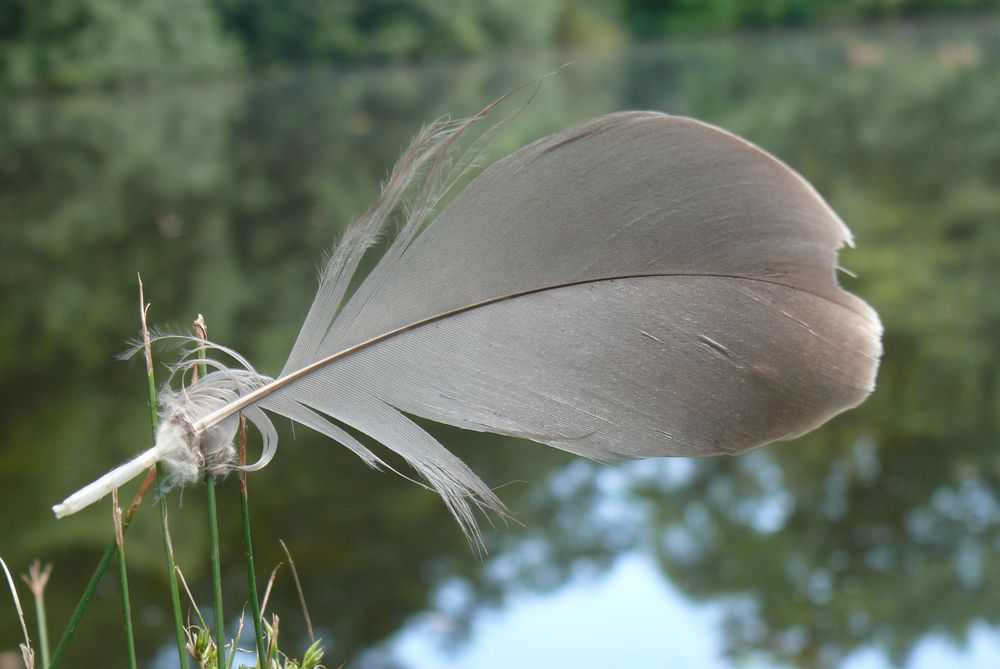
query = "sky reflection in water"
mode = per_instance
[{"x": 872, "y": 540}]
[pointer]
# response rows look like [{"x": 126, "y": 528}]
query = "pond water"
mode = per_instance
[{"x": 872, "y": 542}]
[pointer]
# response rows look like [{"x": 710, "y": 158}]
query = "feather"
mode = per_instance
[{"x": 638, "y": 285}]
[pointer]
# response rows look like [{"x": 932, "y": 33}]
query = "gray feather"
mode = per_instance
[{"x": 638, "y": 285}]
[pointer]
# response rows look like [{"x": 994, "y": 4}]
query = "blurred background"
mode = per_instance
[{"x": 217, "y": 147}]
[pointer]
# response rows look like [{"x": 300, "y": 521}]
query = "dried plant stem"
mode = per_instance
[
  {"x": 154, "y": 419},
  {"x": 123, "y": 580},
  {"x": 37, "y": 578},
  {"x": 248, "y": 548},
  {"x": 270, "y": 584},
  {"x": 201, "y": 332},
  {"x": 298, "y": 587},
  {"x": 27, "y": 653}
]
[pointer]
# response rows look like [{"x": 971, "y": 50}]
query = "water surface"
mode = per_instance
[{"x": 860, "y": 545}]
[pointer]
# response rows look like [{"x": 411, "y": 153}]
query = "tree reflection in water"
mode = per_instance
[{"x": 880, "y": 529}]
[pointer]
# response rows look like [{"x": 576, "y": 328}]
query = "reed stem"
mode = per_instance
[
  {"x": 201, "y": 332},
  {"x": 126, "y": 519},
  {"x": 126, "y": 611},
  {"x": 95, "y": 579},
  {"x": 123, "y": 580},
  {"x": 213, "y": 539},
  {"x": 43, "y": 629},
  {"x": 168, "y": 553},
  {"x": 81, "y": 606},
  {"x": 37, "y": 578},
  {"x": 248, "y": 548}
]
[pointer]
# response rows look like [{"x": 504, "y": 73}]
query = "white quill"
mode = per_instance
[{"x": 637, "y": 285}]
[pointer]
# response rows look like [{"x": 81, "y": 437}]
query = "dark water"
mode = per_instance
[{"x": 873, "y": 534}]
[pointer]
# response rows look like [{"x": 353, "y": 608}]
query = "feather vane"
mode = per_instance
[{"x": 638, "y": 285}]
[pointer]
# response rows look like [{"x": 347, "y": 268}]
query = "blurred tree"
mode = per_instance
[
  {"x": 74, "y": 43},
  {"x": 882, "y": 527},
  {"x": 70, "y": 43},
  {"x": 305, "y": 31},
  {"x": 652, "y": 19},
  {"x": 879, "y": 530}
]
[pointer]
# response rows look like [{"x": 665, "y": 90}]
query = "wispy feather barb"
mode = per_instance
[{"x": 637, "y": 285}]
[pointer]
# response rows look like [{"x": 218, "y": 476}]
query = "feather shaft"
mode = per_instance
[
  {"x": 257, "y": 395},
  {"x": 638, "y": 285},
  {"x": 113, "y": 480}
]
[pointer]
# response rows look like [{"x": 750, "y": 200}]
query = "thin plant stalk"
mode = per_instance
[
  {"x": 123, "y": 580},
  {"x": 112, "y": 550},
  {"x": 298, "y": 587},
  {"x": 43, "y": 627},
  {"x": 95, "y": 579},
  {"x": 270, "y": 584},
  {"x": 248, "y": 548},
  {"x": 213, "y": 540},
  {"x": 81, "y": 606},
  {"x": 237, "y": 639},
  {"x": 194, "y": 605},
  {"x": 168, "y": 553},
  {"x": 202, "y": 655},
  {"x": 201, "y": 332},
  {"x": 37, "y": 578},
  {"x": 27, "y": 652}
]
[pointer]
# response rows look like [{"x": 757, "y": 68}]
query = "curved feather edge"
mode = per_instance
[{"x": 309, "y": 391}]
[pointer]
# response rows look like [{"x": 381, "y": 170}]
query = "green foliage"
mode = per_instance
[
  {"x": 73, "y": 43},
  {"x": 883, "y": 525},
  {"x": 81, "y": 43},
  {"x": 652, "y": 19},
  {"x": 204, "y": 650},
  {"x": 276, "y": 659},
  {"x": 202, "y": 647},
  {"x": 302, "y": 31}
]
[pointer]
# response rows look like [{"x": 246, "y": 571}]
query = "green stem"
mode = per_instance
[
  {"x": 43, "y": 628},
  {"x": 81, "y": 606},
  {"x": 251, "y": 574},
  {"x": 88, "y": 592},
  {"x": 126, "y": 605},
  {"x": 112, "y": 550},
  {"x": 201, "y": 333},
  {"x": 175, "y": 595},
  {"x": 168, "y": 552},
  {"x": 213, "y": 539}
]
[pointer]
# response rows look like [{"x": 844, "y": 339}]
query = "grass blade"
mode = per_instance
[
  {"x": 175, "y": 597},
  {"x": 213, "y": 540},
  {"x": 26, "y": 651},
  {"x": 37, "y": 578},
  {"x": 81, "y": 606},
  {"x": 123, "y": 580},
  {"x": 201, "y": 332},
  {"x": 298, "y": 587},
  {"x": 95, "y": 580},
  {"x": 248, "y": 547}
]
